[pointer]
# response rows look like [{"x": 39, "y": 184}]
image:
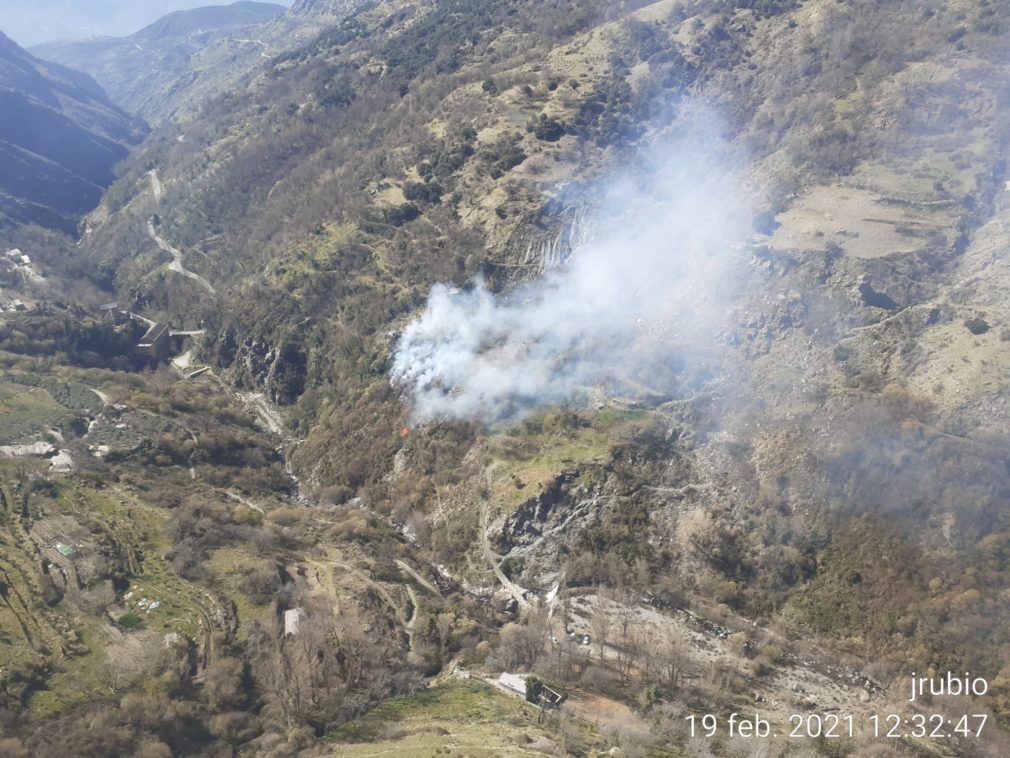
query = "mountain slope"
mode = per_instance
[
  {"x": 211, "y": 18},
  {"x": 60, "y": 138},
  {"x": 668, "y": 339},
  {"x": 416, "y": 143},
  {"x": 320, "y": 9},
  {"x": 139, "y": 70}
]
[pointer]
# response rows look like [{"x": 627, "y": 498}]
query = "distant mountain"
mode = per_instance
[
  {"x": 144, "y": 71},
  {"x": 60, "y": 137},
  {"x": 336, "y": 7},
  {"x": 210, "y": 18}
]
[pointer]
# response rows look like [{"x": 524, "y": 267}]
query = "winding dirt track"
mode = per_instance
[
  {"x": 156, "y": 186},
  {"x": 517, "y": 592},
  {"x": 406, "y": 569},
  {"x": 176, "y": 264},
  {"x": 158, "y": 189}
]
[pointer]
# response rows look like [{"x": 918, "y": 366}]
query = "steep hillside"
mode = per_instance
[
  {"x": 139, "y": 70},
  {"x": 60, "y": 138},
  {"x": 320, "y": 9},
  {"x": 656, "y": 350},
  {"x": 165, "y": 70}
]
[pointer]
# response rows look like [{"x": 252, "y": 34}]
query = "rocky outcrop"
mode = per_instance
[{"x": 277, "y": 370}]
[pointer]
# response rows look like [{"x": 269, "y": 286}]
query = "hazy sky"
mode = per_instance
[{"x": 29, "y": 22}]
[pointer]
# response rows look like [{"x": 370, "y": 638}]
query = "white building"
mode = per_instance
[
  {"x": 515, "y": 682},
  {"x": 292, "y": 618}
]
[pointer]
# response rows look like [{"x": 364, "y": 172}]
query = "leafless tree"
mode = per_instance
[
  {"x": 628, "y": 635},
  {"x": 600, "y": 625},
  {"x": 222, "y": 684},
  {"x": 303, "y": 674},
  {"x": 127, "y": 663},
  {"x": 664, "y": 659},
  {"x": 629, "y": 651},
  {"x": 523, "y": 644}
]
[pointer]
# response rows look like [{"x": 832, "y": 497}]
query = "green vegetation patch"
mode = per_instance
[
  {"x": 130, "y": 621},
  {"x": 249, "y": 581},
  {"x": 24, "y": 412},
  {"x": 545, "y": 444},
  {"x": 71, "y": 395},
  {"x": 467, "y": 716}
]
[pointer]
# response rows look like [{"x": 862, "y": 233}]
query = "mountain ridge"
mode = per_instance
[
  {"x": 207, "y": 18},
  {"x": 61, "y": 139},
  {"x": 162, "y": 71}
]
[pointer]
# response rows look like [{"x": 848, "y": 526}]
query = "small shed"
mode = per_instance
[
  {"x": 292, "y": 618},
  {"x": 550, "y": 698},
  {"x": 64, "y": 549}
]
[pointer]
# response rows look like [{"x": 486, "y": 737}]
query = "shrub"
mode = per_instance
[
  {"x": 547, "y": 128},
  {"x": 129, "y": 621},
  {"x": 503, "y": 155},
  {"x": 260, "y": 585},
  {"x": 977, "y": 325},
  {"x": 429, "y": 192},
  {"x": 398, "y": 215},
  {"x": 533, "y": 688}
]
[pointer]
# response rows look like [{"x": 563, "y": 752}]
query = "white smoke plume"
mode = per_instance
[{"x": 627, "y": 310}]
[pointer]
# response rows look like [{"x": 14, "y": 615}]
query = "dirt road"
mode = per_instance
[
  {"x": 176, "y": 264},
  {"x": 518, "y": 593}
]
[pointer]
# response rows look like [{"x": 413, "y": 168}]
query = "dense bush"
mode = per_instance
[
  {"x": 547, "y": 128},
  {"x": 129, "y": 621},
  {"x": 977, "y": 325},
  {"x": 427, "y": 192},
  {"x": 83, "y": 339},
  {"x": 398, "y": 215},
  {"x": 502, "y": 155}
]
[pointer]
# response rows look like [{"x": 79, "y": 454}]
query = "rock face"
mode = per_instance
[
  {"x": 60, "y": 137},
  {"x": 540, "y": 514},
  {"x": 277, "y": 370}
]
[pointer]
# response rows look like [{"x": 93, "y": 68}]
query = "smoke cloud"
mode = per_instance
[{"x": 624, "y": 314}]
